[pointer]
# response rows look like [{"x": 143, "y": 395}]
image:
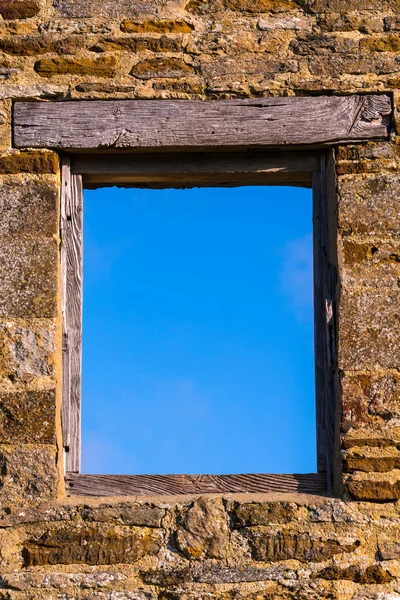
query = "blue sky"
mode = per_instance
[{"x": 198, "y": 331}]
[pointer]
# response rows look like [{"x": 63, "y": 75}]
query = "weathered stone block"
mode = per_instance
[
  {"x": 101, "y": 67},
  {"x": 138, "y": 44},
  {"x": 246, "y": 6},
  {"x": 336, "y": 65},
  {"x": 262, "y": 513},
  {"x": 367, "y": 158},
  {"x": 28, "y": 271},
  {"x": 388, "y": 549},
  {"x": 159, "y": 68},
  {"x": 374, "y": 574},
  {"x": 311, "y": 44},
  {"x": 161, "y": 26},
  {"x": 26, "y": 351},
  {"x": 204, "y": 530},
  {"x": 392, "y": 23},
  {"x": 246, "y": 66},
  {"x": 273, "y": 546},
  {"x": 125, "y": 514},
  {"x": 28, "y": 206},
  {"x": 372, "y": 264},
  {"x": 388, "y": 43},
  {"x": 107, "y": 8},
  {"x": 101, "y": 90},
  {"x": 19, "y": 9},
  {"x": 29, "y": 162},
  {"x": 31, "y": 45},
  {"x": 378, "y": 487},
  {"x": 285, "y": 22},
  {"x": 28, "y": 417},
  {"x": 369, "y": 460},
  {"x": 350, "y": 21},
  {"x": 369, "y": 399},
  {"x": 369, "y": 326},
  {"x": 28, "y": 475},
  {"x": 92, "y": 546},
  {"x": 368, "y": 205},
  {"x": 341, "y": 5}
]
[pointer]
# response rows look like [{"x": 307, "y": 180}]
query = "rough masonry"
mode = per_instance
[{"x": 281, "y": 547}]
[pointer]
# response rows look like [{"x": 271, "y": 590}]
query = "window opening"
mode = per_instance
[{"x": 198, "y": 347}]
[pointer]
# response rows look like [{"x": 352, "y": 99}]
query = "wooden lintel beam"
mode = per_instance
[{"x": 191, "y": 125}]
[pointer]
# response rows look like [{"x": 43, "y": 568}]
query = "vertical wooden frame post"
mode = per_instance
[
  {"x": 325, "y": 278},
  {"x": 71, "y": 269}
]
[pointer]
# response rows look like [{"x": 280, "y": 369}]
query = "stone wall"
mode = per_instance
[{"x": 215, "y": 547}]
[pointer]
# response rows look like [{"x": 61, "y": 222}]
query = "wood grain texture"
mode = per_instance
[
  {"x": 152, "y": 485},
  {"x": 183, "y": 124},
  {"x": 71, "y": 269},
  {"x": 197, "y": 169},
  {"x": 325, "y": 278}
]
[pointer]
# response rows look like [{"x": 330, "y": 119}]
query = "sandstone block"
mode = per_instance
[
  {"x": 387, "y": 43},
  {"x": 368, "y": 205},
  {"x": 370, "y": 460},
  {"x": 202, "y": 573},
  {"x": 376, "y": 487},
  {"x": 369, "y": 325},
  {"x": 75, "y": 9},
  {"x": 367, "y": 158},
  {"x": 252, "y": 514},
  {"x": 47, "y": 90},
  {"x": 28, "y": 475},
  {"x": 28, "y": 207},
  {"x": 246, "y": 6},
  {"x": 29, "y": 162},
  {"x": 26, "y": 350},
  {"x": 368, "y": 150},
  {"x": 6, "y": 72},
  {"x": 31, "y": 45},
  {"x": 374, "y": 574},
  {"x": 292, "y": 23},
  {"x": 392, "y": 23},
  {"x": 159, "y": 68},
  {"x": 19, "y": 9},
  {"x": 125, "y": 514},
  {"x": 162, "y": 26},
  {"x": 138, "y": 44},
  {"x": 336, "y": 65},
  {"x": 273, "y": 546},
  {"x": 350, "y": 21},
  {"x": 371, "y": 264},
  {"x": 371, "y": 400},
  {"x": 204, "y": 530},
  {"x": 101, "y": 67},
  {"x": 91, "y": 546},
  {"x": 28, "y": 417},
  {"x": 341, "y": 5},
  {"x": 28, "y": 271},
  {"x": 311, "y": 44},
  {"x": 388, "y": 549},
  {"x": 245, "y": 66}
]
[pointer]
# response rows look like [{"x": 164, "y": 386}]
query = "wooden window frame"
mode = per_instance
[
  {"x": 305, "y": 169},
  {"x": 157, "y": 143}
]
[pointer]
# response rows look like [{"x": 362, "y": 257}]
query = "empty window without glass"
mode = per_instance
[{"x": 198, "y": 331}]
